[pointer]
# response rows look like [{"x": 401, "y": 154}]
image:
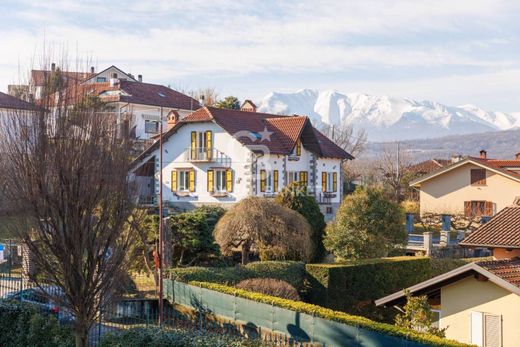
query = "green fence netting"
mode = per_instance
[{"x": 300, "y": 326}]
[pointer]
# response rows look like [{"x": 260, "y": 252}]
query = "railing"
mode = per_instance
[
  {"x": 325, "y": 197},
  {"x": 206, "y": 154}
]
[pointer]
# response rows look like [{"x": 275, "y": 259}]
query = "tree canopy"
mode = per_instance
[
  {"x": 261, "y": 225},
  {"x": 229, "y": 102},
  {"x": 367, "y": 225},
  {"x": 296, "y": 197}
]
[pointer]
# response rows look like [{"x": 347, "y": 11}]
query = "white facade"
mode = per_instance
[{"x": 252, "y": 174}]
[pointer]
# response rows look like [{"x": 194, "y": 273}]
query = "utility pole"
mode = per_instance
[{"x": 161, "y": 226}]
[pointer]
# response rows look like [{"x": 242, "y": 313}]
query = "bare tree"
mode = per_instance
[
  {"x": 67, "y": 175},
  {"x": 346, "y": 137},
  {"x": 209, "y": 95},
  {"x": 393, "y": 163}
]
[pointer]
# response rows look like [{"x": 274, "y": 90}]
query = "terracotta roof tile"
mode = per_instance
[
  {"x": 247, "y": 127},
  {"x": 503, "y": 230},
  {"x": 428, "y": 166},
  {"x": 508, "y": 270}
]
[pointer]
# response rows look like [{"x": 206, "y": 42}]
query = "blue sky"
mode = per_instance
[{"x": 455, "y": 52}]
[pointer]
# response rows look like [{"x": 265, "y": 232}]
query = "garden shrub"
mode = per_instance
[
  {"x": 22, "y": 325},
  {"x": 270, "y": 286},
  {"x": 289, "y": 271},
  {"x": 156, "y": 337}
]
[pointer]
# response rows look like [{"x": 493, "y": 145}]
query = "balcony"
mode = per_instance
[
  {"x": 206, "y": 155},
  {"x": 325, "y": 198}
]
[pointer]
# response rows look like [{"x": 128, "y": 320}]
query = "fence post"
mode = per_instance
[{"x": 428, "y": 243}]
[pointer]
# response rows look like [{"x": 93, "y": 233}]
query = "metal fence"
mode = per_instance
[
  {"x": 133, "y": 313},
  {"x": 268, "y": 320}
]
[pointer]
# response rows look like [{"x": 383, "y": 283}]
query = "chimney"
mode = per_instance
[
  {"x": 483, "y": 154},
  {"x": 517, "y": 156},
  {"x": 172, "y": 119},
  {"x": 201, "y": 100},
  {"x": 140, "y": 78},
  {"x": 53, "y": 67},
  {"x": 92, "y": 70}
]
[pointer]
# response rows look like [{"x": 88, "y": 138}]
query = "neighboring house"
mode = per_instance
[
  {"x": 428, "y": 166},
  {"x": 220, "y": 156},
  {"x": 501, "y": 233},
  {"x": 478, "y": 303},
  {"x": 248, "y": 105},
  {"x": 472, "y": 187},
  {"x": 9, "y": 104}
]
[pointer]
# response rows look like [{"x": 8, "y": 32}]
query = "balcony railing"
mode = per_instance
[
  {"x": 207, "y": 155},
  {"x": 325, "y": 197}
]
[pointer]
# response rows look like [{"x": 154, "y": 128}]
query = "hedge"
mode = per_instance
[
  {"x": 21, "y": 325},
  {"x": 337, "y": 316},
  {"x": 288, "y": 271},
  {"x": 352, "y": 287},
  {"x": 155, "y": 336}
]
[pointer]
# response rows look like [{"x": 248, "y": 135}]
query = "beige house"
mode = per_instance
[
  {"x": 478, "y": 303},
  {"x": 471, "y": 186}
]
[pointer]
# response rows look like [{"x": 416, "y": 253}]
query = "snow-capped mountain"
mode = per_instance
[{"x": 386, "y": 118}]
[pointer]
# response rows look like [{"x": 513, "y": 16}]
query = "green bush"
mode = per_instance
[
  {"x": 288, "y": 271},
  {"x": 156, "y": 337},
  {"x": 352, "y": 287},
  {"x": 21, "y": 325},
  {"x": 270, "y": 286},
  {"x": 329, "y": 314}
]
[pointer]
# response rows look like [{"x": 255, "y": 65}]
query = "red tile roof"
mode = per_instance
[
  {"x": 10, "y": 102},
  {"x": 281, "y": 132},
  {"x": 427, "y": 166},
  {"x": 508, "y": 270},
  {"x": 39, "y": 77},
  {"x": 503, "y": 230}
]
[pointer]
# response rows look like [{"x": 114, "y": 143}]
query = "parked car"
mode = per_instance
[{"x": 38, "y": 298}]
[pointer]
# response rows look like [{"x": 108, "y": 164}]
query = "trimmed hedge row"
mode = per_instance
[
  {"x": 352, "y": 287},
  {"x": 155, "y": 336},
  {"x": 288, "y": 271},
  {"x": 329, "y": 314},
  {"x": 22, "y": 325}
]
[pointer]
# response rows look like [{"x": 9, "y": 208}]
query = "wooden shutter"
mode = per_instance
[
  {"x": 193, "y": 145},
  {"x": 229, "y": 180},
  {"x": 478, "y": 177},
  {"x": 477, "y": 328},
  {"x": 298, "y": 147},
  {"x": 335, "y": 182},
  {"x": 208, "y": 142},
  {"x": 211, "y": 178},
  {"x": 467, "y": 208},
  {"x": 262, "y": 180},
  {"x": 303, "y": 177},
  {"x": 192, "y": 180},
  {"x": 275, "y": 181},
  {"x": 488, "y": 208},
  {"x": 324, "y": 181},
  {"x": 174, "y": 181},
  {"x": 492, "y": 330}
]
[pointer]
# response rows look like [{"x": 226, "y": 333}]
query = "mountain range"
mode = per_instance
[{"x": 388, "y": 118}]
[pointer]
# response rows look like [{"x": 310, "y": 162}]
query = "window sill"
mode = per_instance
[
  {"x": 182, "y": 194},
  {"x": 220, "y": 194}
]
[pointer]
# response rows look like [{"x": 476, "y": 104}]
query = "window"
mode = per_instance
[
  {"x": 201, "y": 145},
  {"x": 478, "y": 177},
  {"x": 436, "y": 318},
  {"x": 328, "y": 210},
  {"x": 151, "y": 127},
  {"x": 183, "y": 181},
  {"x": 266, "y": 181},
  {"x": 101, "y": 79},
  {"x": 220, "y": 180},
  {"x": 478, "y": 208},
  {"x": 303, "y": 177},
  {"x": 292, "y": 176},
  {"x": 486, "y": 329},
  {"x": 329, "y": 182},
  {"x": 269, "y": 181}
]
